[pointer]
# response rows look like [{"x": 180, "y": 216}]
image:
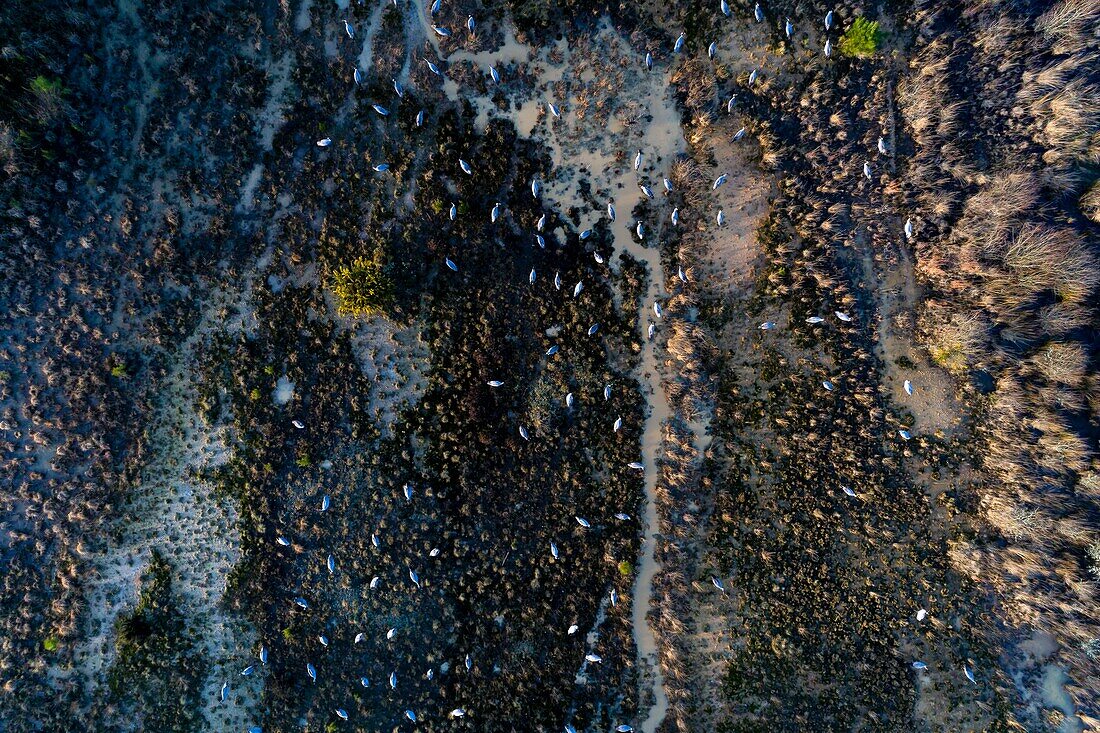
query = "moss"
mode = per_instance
[
  {"x": 118, "y": 371},
  {"x": 625, "y": 569},
  {"x": 51, "y": 643}
]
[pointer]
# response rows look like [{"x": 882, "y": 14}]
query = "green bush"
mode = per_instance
[
  {"x": 361, "y": 288},
  {"x": 51, "y": 643},
  {"x": 861, "y": 39}
]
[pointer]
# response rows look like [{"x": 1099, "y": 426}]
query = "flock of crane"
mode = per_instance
[{"x": 639, "y": 230}]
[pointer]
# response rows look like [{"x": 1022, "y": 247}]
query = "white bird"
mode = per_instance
[
  {"x": 636, "y": 465},
  {"x": 441, "y": 31},
  {"x": 908, "y": 386},
  {"x": 721, "y": 217},
  {"x": 583, "y": 522},
  {"x": 788, "y": 28},
  {"x": 380, "y": 109},
  {"x": 624, "y": 728},
  {"x": 494, "y": 74},
  {"x": 225, "y": 690},
  {"x": 753, "y": 75},
  {"x": 843, "y": 316},
  {"x": 668, "y": 185},
  {"x": 458, "y": 713},
  {"x": 434, "y": 552},
  {"x": 767, "y": 325},
  {"x": 905, "y": 434},
  {"x": 495, "y": 213},
  {"x": 410, "y": 715},
  {"x": 323, "y": 639},
  {"x": 585, "y": 234},
  {"x": 711, "y": 48},
  {"x": 606, "y": 392},
  {"x": 451, "y": 264},
  {"x": 357, "y": 76},
  {"x": 420, "y": 118},
  {"x": 540, "y": 241},
  {"x": 263, "y": 655},
  {"x": 360, "y": 637},
  {"x": 248, "y": 671},
  {"x": 331, "y": 563},
  {"x": 298, "y": 424},
  {"x": 390, "y": 634},
  {"x": 622, "y": 516},
  {"x": 638, "y": 160},
  {"x": 397, "y": 88},
  {"x": 414, "y": 577},
  {"x": 759, "y": 13},
  {"x": 578, "y": 288},
  {"x": 614, "y": 597},
  {"x": 393, "y": 680},
  {"x": 552, "y": 350},
  {"x": 611, "y": 211},
  {"x": 569, "y": 400},
  {"x": 649, "y": 60},
  {"x": 921, "y": 614},
  {"x": 435, "y": 6},
  {"x": 908, "y": 228},
  {"x": 730, "y": 103},
  {"x": 283, "y": 541},
  {"x": 311, "y": 671},
  {"x": 470, "y": 23},
  {"x": 618, "y": 424},
  {"x": 593, "y": 328},
  {"x": 739, "y": 134},
  {"x": 435, "y": 70},
  {"x": 375, "y": 582},
  {"x": 536, "y": 187},
  {"x": 598, "y": 257},
  {"x": 553, "y": 109},
  {"x": 828, "y": 20},
  {"x": 646, "y": 190},
  {"x": 408, "y": 490},
  {"x": 494, "y": 383},
  {"x": 725, "y": 7},
  {"x": 640, "y": 230},
  {"x": 465, "y": 167},
  {"x": 828, "y": 48},
  {"x": 541, "y": 222},
  {"x": 375, "y": 540},
  {"x": 570, "y": 729},
  {"x": 867, "y": 170},
  {"x": 675, "y": 217},
  {"x": 531, "y": 277},
  {"x": 326, "y": 502},
  {"x": 717, "y": 583},
  {"x": 681, "y": 274},
  {"x": 969, "y": 673},
  {"x": 453, "y": 212},
  {"x": 827, "y": 385},
  {"x": 652, "y": 330},
  {"x": 557, "y": 281},
  {"x": 341, "y": 713},
  {"x": 657, "y": 310},
  {"x": 814, "y": 319},
  {"x": 719, "y": 181},
  {"x": 920, "y": 665},
  {"x": 324, "y": 142},
  {"x": 573, "y": 628},
  {"x": 349, "y": 30},
  {"x": 381, "y": 167},
  {"x": 679, "y": 42},
  {"x": 881, "y": 145},
  {"x": 364, "y": 681},
  {"x": 594, "y": 658},
  {"x": 848, "y": 490},
  {"x": 301, "y": 602},
  {"x": 554, "y": 550}
]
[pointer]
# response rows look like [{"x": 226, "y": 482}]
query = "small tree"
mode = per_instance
[
  {"x": 361, "y": 288},
  {"x": 861, "y": 39}
]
